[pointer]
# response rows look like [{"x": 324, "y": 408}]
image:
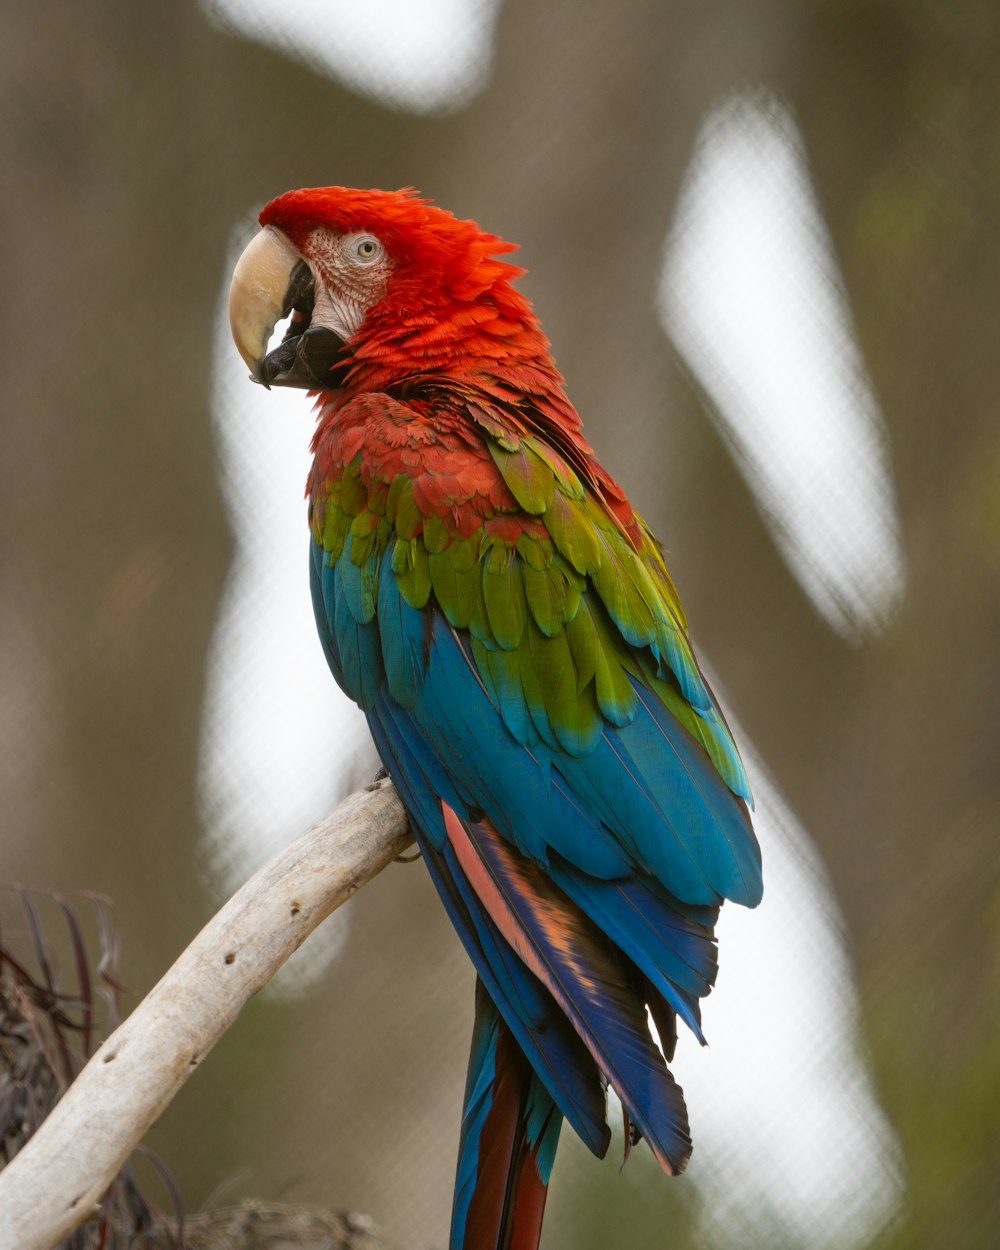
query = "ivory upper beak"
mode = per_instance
[{"x": 257, "y": 294}]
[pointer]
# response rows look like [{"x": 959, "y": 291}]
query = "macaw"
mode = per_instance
[{"x": 487, "y": 595}]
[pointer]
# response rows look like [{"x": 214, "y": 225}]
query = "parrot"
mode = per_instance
[{"x": 485, "y": 592}]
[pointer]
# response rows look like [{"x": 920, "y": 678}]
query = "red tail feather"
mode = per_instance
[{"x": 508, "y": 1203}]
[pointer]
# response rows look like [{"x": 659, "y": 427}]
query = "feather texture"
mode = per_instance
[
  {"x": 510, "y": 1130},
  {"x": 484, "y": 590}
]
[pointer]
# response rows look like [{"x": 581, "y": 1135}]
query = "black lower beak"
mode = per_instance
[
  {"x": 315, "y": 360},
  {"x": 310, "y": 357}
]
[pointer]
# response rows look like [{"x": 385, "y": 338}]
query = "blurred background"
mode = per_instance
[{"x": 762, "y": 236}]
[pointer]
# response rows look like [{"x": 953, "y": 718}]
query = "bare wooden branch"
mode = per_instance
[{"x": 55, "y": 1182}]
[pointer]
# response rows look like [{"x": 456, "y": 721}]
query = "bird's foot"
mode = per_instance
[{"x": 377, "y": 780}]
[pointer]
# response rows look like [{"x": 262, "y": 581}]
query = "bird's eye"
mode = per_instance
[{"x": 367, "y": 248}]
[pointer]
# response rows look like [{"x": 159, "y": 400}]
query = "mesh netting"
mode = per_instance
[{"x": 760, "y": 237}]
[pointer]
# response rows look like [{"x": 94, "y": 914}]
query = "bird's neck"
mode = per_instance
[{"x": 495, "y": 334}]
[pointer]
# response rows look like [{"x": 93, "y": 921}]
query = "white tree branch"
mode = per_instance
[{"x": 55, "y": 1182}]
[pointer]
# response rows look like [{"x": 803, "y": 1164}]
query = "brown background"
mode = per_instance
[{"x": 133, "y": 138}]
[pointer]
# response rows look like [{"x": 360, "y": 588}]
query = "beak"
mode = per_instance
[
  {"x": 257, "y": 295},
  {"x": 271, "y": 281}
]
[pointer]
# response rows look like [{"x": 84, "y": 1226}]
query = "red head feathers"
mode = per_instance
[
  {"x": 435, "y": 253},
  {"x": 389, "y": 291},
  {"x": 387, "y": 288}
]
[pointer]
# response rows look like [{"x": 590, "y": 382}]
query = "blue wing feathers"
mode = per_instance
[
  {"x": 540, "y": 1028},
  {"x": 629, "y": 835},
  {"x": 676, "y": 955},
  {"x": 357, "y": 583},
  {"x": 593, "y": 985},
  {"x": 733, "y": 852}
]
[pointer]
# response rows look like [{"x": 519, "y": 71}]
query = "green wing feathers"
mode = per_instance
[{"x": 567, "y": 608}]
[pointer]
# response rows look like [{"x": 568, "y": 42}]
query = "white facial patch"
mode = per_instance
[
  {"x": 337, "y": 311},
  {"x": 351, "y": 273}
]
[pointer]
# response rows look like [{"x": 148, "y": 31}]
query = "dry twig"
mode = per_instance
[{"x": 56, "y": 1181}]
